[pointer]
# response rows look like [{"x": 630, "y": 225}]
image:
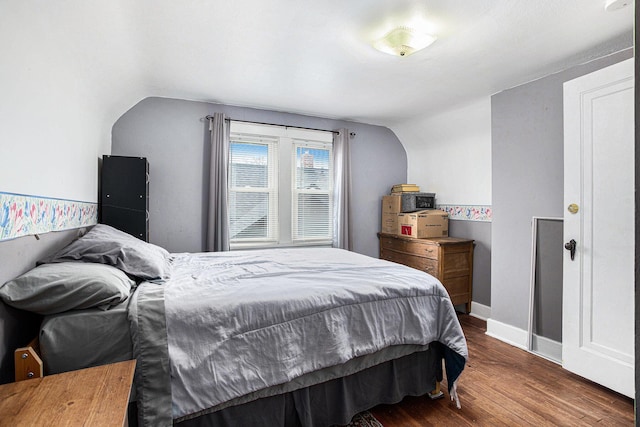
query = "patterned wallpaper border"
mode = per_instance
[
  {"x": 22, "y": 215},
  {"x": 468, "y": 212}
]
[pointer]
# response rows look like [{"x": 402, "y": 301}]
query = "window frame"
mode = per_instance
[
  {"x": 271, "y": 188},
  {"x": 307, "y": 240},
  {"x": 287, "y": 138}
]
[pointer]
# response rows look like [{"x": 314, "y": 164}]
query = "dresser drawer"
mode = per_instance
[
  {"x": 418, "y": 247},
  {"x": 420, "y": 263}
]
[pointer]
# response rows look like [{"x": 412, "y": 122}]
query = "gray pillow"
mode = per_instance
[
  {"x": 106, "y": 245},
  {"x": 54, "y": 288}
]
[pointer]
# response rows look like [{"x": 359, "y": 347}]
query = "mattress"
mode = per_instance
[{"x": 83, "y": 338}]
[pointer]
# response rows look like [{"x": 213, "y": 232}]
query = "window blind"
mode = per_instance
[
  {"x": 312, "y": 192},
  {"x": 253, "y": 189}
]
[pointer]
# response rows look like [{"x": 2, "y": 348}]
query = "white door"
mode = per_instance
[{"x": 598, "y": 284}]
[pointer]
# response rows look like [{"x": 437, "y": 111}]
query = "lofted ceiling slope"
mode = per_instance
[
  {"x": 308, "y": 57},
  {"x": 316, "y": 58}
]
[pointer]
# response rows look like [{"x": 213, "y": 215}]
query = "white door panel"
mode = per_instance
[{"x": 598, "y": 285}]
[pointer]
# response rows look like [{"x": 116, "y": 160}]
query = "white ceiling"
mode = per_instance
[
  {"x": 315, "y": 57},
  {"x": 304, "y": 56}
]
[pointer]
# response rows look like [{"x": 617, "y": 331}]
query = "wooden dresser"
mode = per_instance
[{"x": 449, "y": 259}]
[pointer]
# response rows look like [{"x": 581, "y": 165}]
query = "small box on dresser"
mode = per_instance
[
  {"x": 423, "y": 224},
  {"x": 391, "y": 204},
  {"x": 389, "y": 223},
  {"x": 449, "y": 259},
  {"x": 390, "y": 211}
]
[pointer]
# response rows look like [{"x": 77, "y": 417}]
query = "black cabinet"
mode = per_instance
[{"x": 124, "y": 198}]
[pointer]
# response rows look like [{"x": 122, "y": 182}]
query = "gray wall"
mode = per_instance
[
  {"x": 173, "y": 136},
  {"x": 527, "y": 180},
  {"x": 18, "y": 327},
  {"x": 480, "y": 232}
]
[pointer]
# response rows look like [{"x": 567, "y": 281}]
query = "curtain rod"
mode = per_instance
[{"x": 351, "y": 134}]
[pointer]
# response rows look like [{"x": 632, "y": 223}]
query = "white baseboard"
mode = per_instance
[
  {"x": 510, "y": 334},
  {"x": 480, "y": 311},
  {"x": 541, "y": 346}
]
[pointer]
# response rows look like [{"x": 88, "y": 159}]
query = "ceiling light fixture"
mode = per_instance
[
  {"x": 612, "y": 5},
  {"x": 403, "y": 41}
]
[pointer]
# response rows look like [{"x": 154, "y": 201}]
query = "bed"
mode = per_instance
[{"x": 305, "y": 336}]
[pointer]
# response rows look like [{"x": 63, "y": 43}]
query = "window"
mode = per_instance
[
  {"x": 312, "y": 192},
  {"x": 253, "y": 195},
  {"x": 280, "y": 186}
]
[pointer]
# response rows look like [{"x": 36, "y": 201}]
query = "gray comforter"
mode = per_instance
[{"x": 238, "y": 323}]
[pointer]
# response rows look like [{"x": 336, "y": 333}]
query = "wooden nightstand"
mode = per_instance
[
  {"x": 96, "y": 396},
  {"x": 449, "y": 259}
]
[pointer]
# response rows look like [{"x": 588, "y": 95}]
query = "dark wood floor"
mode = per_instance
[{"x": 505, "y": 386}]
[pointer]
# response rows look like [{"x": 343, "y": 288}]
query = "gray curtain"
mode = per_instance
[
  {"x": 218, "y": 224},
  {"x": 342, "y": 191}
]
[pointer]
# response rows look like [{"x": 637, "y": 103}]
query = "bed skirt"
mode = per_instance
[{"x": 334, "y": 402}]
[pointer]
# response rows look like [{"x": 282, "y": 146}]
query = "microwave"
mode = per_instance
[{"x": 412, "y": 202}]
